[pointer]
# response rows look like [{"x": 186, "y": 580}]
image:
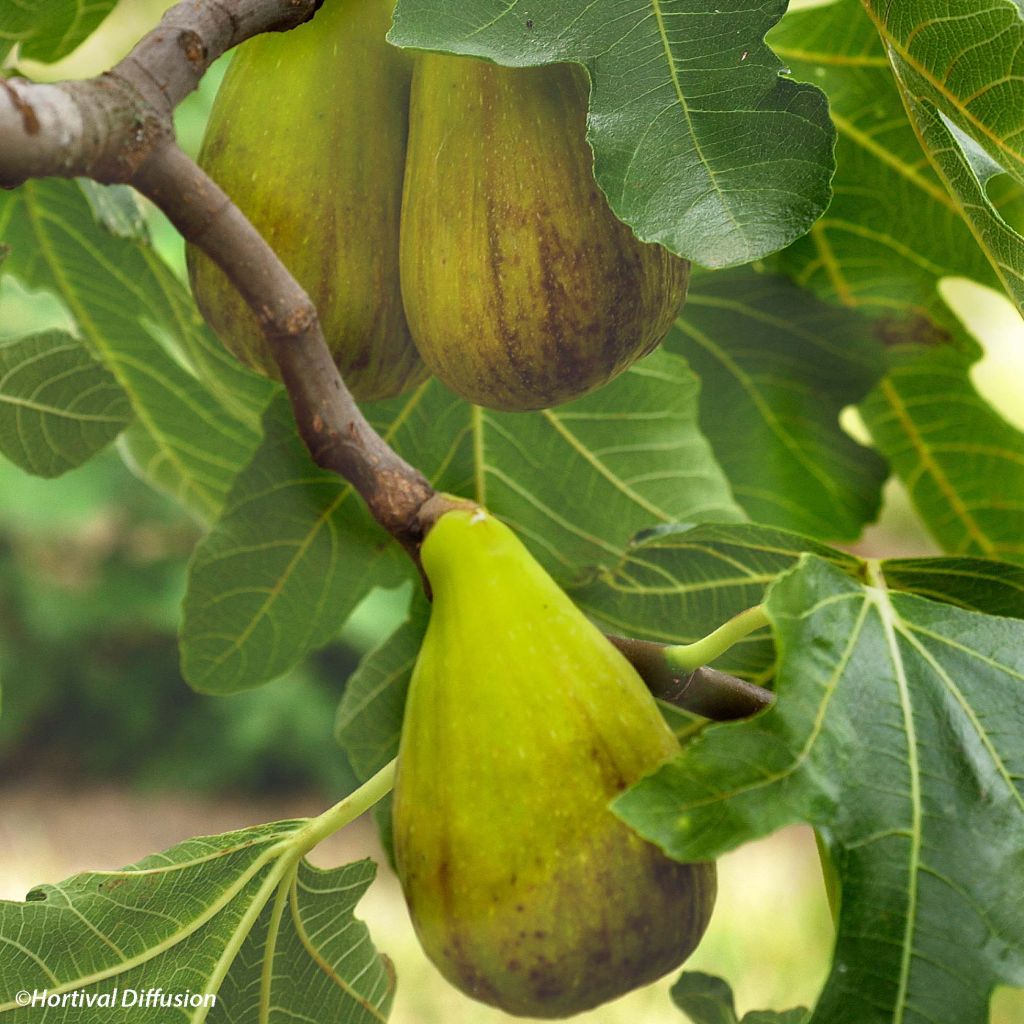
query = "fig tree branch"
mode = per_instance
[
  {"x": 338, "y": 436},
  {"x": 118, "y": 128},
  {"x": 105, "y": 127},
  {"x": 702, "y": 690}
]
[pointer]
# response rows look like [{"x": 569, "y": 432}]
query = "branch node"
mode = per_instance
[
  {"x": 29, "y": 120},
  {"x": 192, "y": 45},
  {"x": 302, "y": 319}
]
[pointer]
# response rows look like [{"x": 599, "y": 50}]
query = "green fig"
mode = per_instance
[
  {"x": 307, "y": 135},
  {"x": 521, "y": 287},
  {"x": 523, "y": 722}
]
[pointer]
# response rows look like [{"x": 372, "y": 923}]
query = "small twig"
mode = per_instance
[{"x": 704, "y": 691}]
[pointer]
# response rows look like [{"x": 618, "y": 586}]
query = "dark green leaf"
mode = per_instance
[
  {"x": 58, "y": 405},
  {"x": 704, "y": 999},
  {"x": 962, "y": 463},
  {"x": 578, "y": 481},
  {"x": 238, "y": 916},
  {"x": 795, "y": 1016},
  {"x": 369, "y": 722},
  {"x": 976, "y": 584},
  {"x": 777, "y": 367},
  {"x": 892, "y": 232},
  {"x": 898, "y": 733},
  {"x": 699, "y": 143},
  {"x": 47, "y": 30},
  {"x": 966, "y": 169},
  {"x": 708, "y": 1000},
  {"x": 678, "y": 583},
  {"x": 370, "y": 715}
]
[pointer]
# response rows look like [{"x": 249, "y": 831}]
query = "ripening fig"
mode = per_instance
[
  {"x": 521, "y": 287},
  {"x": 307, "y": 135},
  {"x": 523, "y": 722}
]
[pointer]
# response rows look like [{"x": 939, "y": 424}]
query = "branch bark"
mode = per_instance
[
  {"x": 704, "y": 691},
  {"x": 105, "y": 127}
]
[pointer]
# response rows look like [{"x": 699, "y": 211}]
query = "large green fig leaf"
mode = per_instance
[
  {"x": 49, "y": 29},
  {"x": 966, "y": 169},
  {"x": 777, "y": 367},
  {"x": 965, "y": 104},
  {"x": 575, "y": 482},
  {"x": 138, "y": 320},
  {"x": 962, "y": 463},
  {"x": 976, "y": 584},
  {"x": 678, "y": 583},
  {"x": 898, "y": 733},
  {"x": 237, "y": 916},
  {"x": 891, "y": 235},
  {"x": 369, "y": 722},
  {"x": 58, "y": 405},
  {"x": 368, "y": 726},
  {"x": 699, "y": 143}
]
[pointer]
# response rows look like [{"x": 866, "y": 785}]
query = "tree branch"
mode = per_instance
[
  {"x": 105, "y": 127},
  {"x": 704, "y": 691},
  {"x": 119, "y": 128},
  {"x": 338, "y": 436}
]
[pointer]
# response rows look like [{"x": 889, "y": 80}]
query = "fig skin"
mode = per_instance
[
  {"x": 523, "y": 722},
  {"x": 521, "y": 287},
  {"x": 307, "y": 135}
]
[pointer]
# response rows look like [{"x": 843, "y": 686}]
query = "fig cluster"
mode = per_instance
[{"x": 441, "y": 212}]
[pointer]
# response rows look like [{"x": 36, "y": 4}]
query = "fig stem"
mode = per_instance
[
  {"x": 346, "y": 811},
  {"x": 703, "y": 691},
  {"x": 687, "y": 657}
]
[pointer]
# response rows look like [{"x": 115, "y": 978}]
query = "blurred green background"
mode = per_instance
[{"x": 92, "y": 570}]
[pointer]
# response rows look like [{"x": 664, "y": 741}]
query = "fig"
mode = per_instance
[
  {"x": 307, "y": 135},
  {"x": 521, "y": 287},
  {"x": 522, "y": 723}
]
